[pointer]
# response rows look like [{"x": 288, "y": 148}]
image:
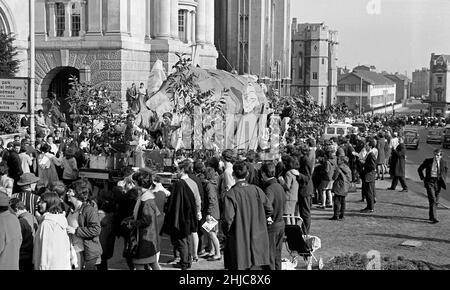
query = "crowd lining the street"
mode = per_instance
[{"x": 50, "y": 219}]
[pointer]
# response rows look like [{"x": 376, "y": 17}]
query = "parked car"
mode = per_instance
[
  {"x": 412, "y": 138},
  {"x": 446, "y": 137},
  {"x": 435, "y": 136}
]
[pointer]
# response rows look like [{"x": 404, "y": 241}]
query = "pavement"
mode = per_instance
[{"x": 398, "y": 217}]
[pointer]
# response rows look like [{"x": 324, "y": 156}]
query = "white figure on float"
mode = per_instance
[{"x": 247, "y": 132}]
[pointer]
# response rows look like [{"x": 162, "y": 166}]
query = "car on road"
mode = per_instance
[
  {"x": 435, "y": 136},
  {"x": 412, "y": 138},
  {"x": 446, "y": 137}
]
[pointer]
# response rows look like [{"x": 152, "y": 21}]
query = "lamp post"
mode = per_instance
[
  {"x": 32, "y": 72},
  {"x": 361, "y": 98}
]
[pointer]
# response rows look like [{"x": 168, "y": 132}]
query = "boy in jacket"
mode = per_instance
[{"x": 342, "y": 181}]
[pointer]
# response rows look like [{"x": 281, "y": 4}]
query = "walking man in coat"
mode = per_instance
[
  {"x": 275, "y": 193},
  {"x": 434, "y": 180},
  {"x": 369, "y": 176},
  {"x": 398, "y": 166},
  {"x": 183, "y": 214},
  {"x": 246, "y": 213}
]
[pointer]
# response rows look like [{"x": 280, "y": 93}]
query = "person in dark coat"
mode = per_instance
[
  {"x": 434, "y": 181},
  {"x": 277, "y": 198},
  {"x": 306, "y": 189},
  {"x": 246, "y": 213},
  {"x": 182, "y": 217},
  {"x": 15, "y": 165},
  {"x": 381, "y": 158},
  {"x": 212, "y": 210},
  {"x": 369, "y": 176},
  {"x": 29, "y": 226},
  {"x": 342, "y": 181},
  {"x": 398, "y": 164},
  {"x": 145, "y": 224}
]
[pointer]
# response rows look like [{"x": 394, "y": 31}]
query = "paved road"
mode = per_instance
[{"x": 415, "y": 158}]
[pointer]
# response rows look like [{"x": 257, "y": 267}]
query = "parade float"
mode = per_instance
[{"x": 210, "y": 111}]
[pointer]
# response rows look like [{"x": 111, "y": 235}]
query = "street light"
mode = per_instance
[{"x": 32, "y": 71}]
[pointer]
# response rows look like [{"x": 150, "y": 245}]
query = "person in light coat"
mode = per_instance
[{"x": 52, "y": 250}]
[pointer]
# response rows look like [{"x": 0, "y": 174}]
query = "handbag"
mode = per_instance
[{"x": 132, "y": 245}]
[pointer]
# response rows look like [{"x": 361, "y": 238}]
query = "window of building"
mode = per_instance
[
  {"x": 76, "y": 20},
  {"x": 365, "y": 88},
  {"x": 341, "y": 88},
  {"x": 182, "y": 25},
  {"x": 439, "y": 80},
  {"x": 315, "y": 76},
  {"x": 323, "y": 61},
  {"x": 60, "y": 17},
  {"x": 353, "y": 88}
]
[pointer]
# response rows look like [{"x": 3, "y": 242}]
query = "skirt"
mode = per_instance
[
  {"x": 146, "y": 261},
  {"x": 289, "y": 207},
  {"x": 326, "y": 185}
]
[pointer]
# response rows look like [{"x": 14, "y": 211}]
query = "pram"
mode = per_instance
[{"x": 300, "y": 245}]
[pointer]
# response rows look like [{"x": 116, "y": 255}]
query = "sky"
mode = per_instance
[{"x": 394, "y": 35}]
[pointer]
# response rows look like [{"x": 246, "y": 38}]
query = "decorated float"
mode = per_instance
[{"x": 193, "y": 112}]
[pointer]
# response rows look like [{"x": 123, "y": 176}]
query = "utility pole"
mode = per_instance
[{"x": 32, "y": 72}]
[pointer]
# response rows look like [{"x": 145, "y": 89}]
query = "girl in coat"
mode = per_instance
[
  {"x": 88, "y": 228},
  {"x": 212, "y": 211},
  {"x": 290, "y": 184},
  {"x": 52, "y": 249},
  {"x": 47, "y": 170},
  {"x": 329, "y": 166},
  {"x": 144, "y": 224}
]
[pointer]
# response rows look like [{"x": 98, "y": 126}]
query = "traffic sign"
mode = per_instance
[{"x": 15, "y": 95}]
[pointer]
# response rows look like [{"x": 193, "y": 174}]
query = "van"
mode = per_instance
[{"x": 338, "y": 129}]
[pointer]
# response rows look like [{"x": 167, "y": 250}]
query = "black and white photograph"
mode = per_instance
[{"x": 223, "y": 136}]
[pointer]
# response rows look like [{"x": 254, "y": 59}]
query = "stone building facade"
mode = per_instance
[
  {"x": 114, "y": 43},
  {"x": 14, "y": 19},
  {"x": 314, "y": 61},
  {"x": 439, "y": 84},
  {"x": 253, "y": 37}
]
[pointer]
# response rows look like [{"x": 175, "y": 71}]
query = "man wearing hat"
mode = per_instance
[
  {"x": 10, "y": 236},
  {"x": 27, "y": 183}
]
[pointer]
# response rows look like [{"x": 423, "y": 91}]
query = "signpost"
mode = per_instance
[{"x": 15, "y": 96}]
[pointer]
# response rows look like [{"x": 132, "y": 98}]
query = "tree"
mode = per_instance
[
  {"x": 93, "y": 109},
  {"x": 9, "y": 66}
]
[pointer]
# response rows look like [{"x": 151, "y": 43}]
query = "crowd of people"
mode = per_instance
[{"x": 232, "y": 206}]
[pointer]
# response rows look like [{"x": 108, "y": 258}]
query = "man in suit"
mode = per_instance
[
  {"x": 434, "y": 180},
  {"x": 369, "y": 175}
]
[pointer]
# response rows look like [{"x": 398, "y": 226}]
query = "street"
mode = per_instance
[{"x": 414, "y": 159}]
